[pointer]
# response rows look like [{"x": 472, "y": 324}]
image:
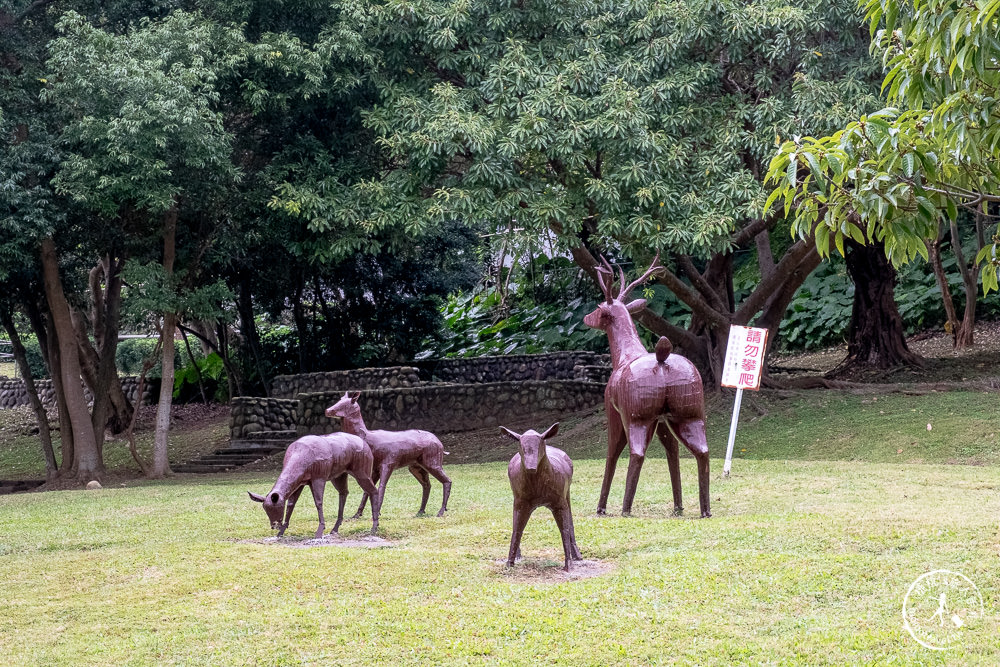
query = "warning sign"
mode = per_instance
[{"x": 744, "y": 357}]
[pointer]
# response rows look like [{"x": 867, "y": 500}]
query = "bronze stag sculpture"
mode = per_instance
[
  {"x": 419, "y": 451},
  {"x": 540, "y": 477},
  {"x": 659, "y": 391},
  {"x": 312, "y": 460}
]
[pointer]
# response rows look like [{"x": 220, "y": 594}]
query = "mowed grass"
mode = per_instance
[
  {"x": 836, "y": 504},
  {"x": 804, "y": 562}
]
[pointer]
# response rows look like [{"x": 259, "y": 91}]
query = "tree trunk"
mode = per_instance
[
  {"x": 876, "y": 338},
  {"x": 107, "y": 323},
  {"x": 20, "y": 356},
  {"x": 951, "y": 318},
  {"x": 244, "y": 304},
  {"x": 87, "y": 461},
  {"x": 55, "y": 373},
  {"x": 161, "y": 461},
  {"x": 965, "y": 335}
]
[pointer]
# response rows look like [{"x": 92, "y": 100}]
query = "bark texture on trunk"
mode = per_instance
[
  {"x": 876, "y": 338},
  {"x": 21, "y": 357},
  {"x": 161, "y": 462},
  {"x": 87, "y": 461}
]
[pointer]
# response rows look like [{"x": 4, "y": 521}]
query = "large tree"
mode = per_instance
[
  {"x": 624, "y": 128},
  {"x": 902, "y": 176}
]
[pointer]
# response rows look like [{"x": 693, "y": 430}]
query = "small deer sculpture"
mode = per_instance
[
  {"x": 312, "y": 460},
  {"x": 419, "y": 451},
  {"x": 647, "y": 391},
  {"x": 540, "y": 477}
]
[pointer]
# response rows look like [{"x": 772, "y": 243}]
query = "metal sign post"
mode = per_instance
[{"x": 744, "y": 363}]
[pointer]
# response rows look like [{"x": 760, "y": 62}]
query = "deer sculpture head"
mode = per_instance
[
  {"x": 347, "y": 406},
  {"x": 613, "y": 311},
  {"x": 274, "y": 507},
  {"x": 532, "y": 445}
]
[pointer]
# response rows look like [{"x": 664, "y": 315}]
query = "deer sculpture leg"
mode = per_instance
[
  {"x": 616, "y": 445},
  {"x": 692, "y": 434},
  {"x": 673, "y": 463},
  {"x": 425, "y": 486},
  {"x": 340, "y": 483},
  {"x": 317, "y": 486},
  {"x": 366, "y": 484},
  {"x": 564, "y": 521},
  {"x": 438, "y": 473},
  {"x": 289, "y": 506},
  {"x": 384, "y": 475},
  {"x": 572, "y": 532},
  {"x": 364, "y": 496},
  {"x": 639, "y": 436},
  {"x": 522, "y": 512}
]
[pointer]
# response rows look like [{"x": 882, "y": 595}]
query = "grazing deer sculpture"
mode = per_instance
[
  {"x": 312, "y": 460},
  {"x": 540, "y": 477},
  {"x": 647, "y": 391},
  {"x": 419, "y": 451}
]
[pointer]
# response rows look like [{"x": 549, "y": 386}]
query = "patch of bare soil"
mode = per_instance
[
  {"x": 942, "y": 362},
  {"x": 539, "y": 571},
  {"x": 365, "y": 542}
]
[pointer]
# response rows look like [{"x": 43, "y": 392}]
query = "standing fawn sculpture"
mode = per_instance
[
  {"x": 312, "y": 460},
  {"x": 419, "y": 451},
  {"x": 540, "y": 477},
  {"x": 646, "y": 392}
]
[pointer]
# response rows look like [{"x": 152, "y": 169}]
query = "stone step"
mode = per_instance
[{"x": 271, "y": 435}]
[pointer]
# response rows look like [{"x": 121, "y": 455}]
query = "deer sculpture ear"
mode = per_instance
[
  {"x": 510, "y": 434},
  {"x": 552, "y": 430},
  {"x": 354, "y": 396},
  {"x": 636, "y": 306},
  {"x": 257, "y": 498}
]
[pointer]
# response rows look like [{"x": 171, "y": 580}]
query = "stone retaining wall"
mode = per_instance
[
  {"x": 13, "y": 393},
  {"x": 448, "y": 408},
  {"x": 289, "y": 386},
  {"x": 513, "y": 368},
  {"x": 249, "y": 414}
]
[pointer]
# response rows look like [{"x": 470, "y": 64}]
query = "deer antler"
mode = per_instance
[
  {"x": 653, "y": 268},
  {"x": 601, "y": 271}
]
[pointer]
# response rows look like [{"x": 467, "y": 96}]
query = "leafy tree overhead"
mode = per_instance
[
  {"x": 626, "y": 128},
  {"x": 902, "y": 176}
]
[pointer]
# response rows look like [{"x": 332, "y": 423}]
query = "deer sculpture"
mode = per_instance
[
  {"x": 312, "y": 460},
  {"x": 540, "y": 477},
  {"x": 657, "y": 391},
  {"x": 419, "y": 451}
]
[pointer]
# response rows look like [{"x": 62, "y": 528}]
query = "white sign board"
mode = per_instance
[
  {"x": 744, "y": 358},
  {"x": 744, "y": 364}
]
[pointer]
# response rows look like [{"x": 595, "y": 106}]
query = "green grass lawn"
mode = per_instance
[
  {"x": 804, "y": 562},
  {"x": 814, "y": 541}
]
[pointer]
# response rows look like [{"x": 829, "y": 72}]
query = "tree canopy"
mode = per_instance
[
  {"x": 892, "y": 175},
  {"x": 625, "y": 128}
]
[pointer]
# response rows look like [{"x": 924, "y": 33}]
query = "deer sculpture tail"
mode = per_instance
[{"x": 663, "y": 349}]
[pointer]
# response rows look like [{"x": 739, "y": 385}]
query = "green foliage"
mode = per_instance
[
  {"x": 892, "y": 175},
  {"x": 588, "y": 116},
  {"x": 472, "y": 328},
  {"x": 131, "y": 354},
  {"x": 142, "y": 127},
  {"x": 208, "y": 372}
]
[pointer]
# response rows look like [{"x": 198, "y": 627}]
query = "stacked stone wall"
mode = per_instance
[
  {"x": 447, "y": 408},
  {"x": 289, "y": 386},
  {"x": 249, "y": 414},
  {"x": 513, "y": 368},
  {"x": 13, "y": 393}
]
